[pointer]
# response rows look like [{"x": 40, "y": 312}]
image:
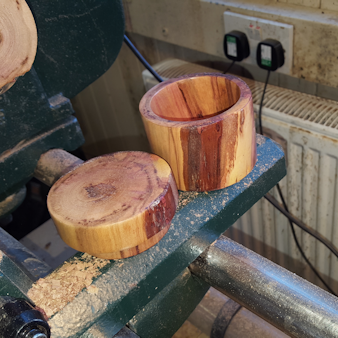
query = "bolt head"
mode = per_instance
[
  {"x": 35, "y": 334},
  {"x": 39, "y": 335}
]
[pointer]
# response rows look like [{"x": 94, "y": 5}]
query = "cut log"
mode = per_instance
[
  {"x": 114, "y": 206},
  {"x": 18, "y": 41},
  {"x": 203, "y": 126}
]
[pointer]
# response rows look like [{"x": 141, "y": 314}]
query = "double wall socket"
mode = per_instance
[{"x": 257, "y": 30}]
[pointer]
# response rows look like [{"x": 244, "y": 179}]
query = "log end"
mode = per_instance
[
  {"x": 18, "y": 41},
  {"x": 116, "y": 205}
]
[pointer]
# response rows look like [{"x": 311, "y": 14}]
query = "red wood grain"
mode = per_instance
[
  {"x": 116, "y": 205},
  {"x": 203, "y": 126}
]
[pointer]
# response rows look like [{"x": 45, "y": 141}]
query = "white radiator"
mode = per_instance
[{"x": 309, "y": 125}]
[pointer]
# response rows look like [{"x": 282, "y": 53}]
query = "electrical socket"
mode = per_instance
[{"x": 257, "y": 30}]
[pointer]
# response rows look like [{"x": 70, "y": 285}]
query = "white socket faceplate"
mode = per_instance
[{"x": 257, "y": 30}]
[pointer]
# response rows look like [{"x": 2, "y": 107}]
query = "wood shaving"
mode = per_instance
[
  {"x": 92, "y": 289},
  {"x": 55, "y": 291},
  {"x": 186, "y": 197}
]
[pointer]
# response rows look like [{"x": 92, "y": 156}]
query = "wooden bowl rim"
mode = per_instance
[{"x": 146, "y": 111}]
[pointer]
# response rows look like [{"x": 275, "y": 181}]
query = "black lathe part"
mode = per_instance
[{"x": 19, "y": 319}]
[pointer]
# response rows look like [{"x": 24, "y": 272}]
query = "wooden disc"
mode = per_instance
[
  {"x": 203, "y": 126},
  {"x": 18, "y": 40},
  {"x": 116, "y": 205}
]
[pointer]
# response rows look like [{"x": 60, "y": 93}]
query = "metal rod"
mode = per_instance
[
  {"x": 280, "y": 297},
  {"x": 53, "y": 164},
  {"x": 217, "y": 315}
]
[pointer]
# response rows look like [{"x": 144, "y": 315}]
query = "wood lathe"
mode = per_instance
[{"x": 89, "y": 296}]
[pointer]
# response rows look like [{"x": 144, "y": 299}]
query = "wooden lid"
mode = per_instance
[
  {"x": 116, "y": 205},
  {"x": 18, "y": 40}
]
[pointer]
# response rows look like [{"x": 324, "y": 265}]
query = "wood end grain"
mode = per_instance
[
  {"x": 18, "y": 40},
  {"x": 116, "y": 205}
]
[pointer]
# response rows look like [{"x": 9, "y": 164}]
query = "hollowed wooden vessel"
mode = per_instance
[
  {"x": 114, "y": 206},
  {"x": 203, "y": 126}
]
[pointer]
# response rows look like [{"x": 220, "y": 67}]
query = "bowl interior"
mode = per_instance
[{"x": 195, "y": 98}]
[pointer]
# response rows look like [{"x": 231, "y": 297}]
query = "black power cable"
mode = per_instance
[
  {"x": 228, "y": 69},
  {"x": 301, "y": 224},
  {"x": 261, "y": 105},
  {"x": 270, "y": 198},
  {"x": 306, "y": 228},
  {"x": 286, "y": 210},
  {"x": 142, "y": 59}
]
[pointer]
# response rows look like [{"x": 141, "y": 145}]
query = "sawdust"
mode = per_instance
[
  {"x": 248, "y": 182},
  {"x": 59, "y": 288},
  {"x": 185, "y": 198},
  {"x": 260, "y": 139},
  {"x": 92, "y": 289}
]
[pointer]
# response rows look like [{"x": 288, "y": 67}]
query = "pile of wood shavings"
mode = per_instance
[{"x": 59, "y": 288}]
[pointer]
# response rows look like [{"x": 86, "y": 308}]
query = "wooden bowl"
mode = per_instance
[
  {"x": 203, "y": 126},
  {"x": 114, "y": 206}
]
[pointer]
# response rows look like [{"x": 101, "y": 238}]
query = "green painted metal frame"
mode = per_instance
[
  {"x": 17, "y": 166},
  {"x": 156, "y": 287},
  {"x": 13, "y": 281},
  {"x": 19, "y": 268},
  {"x": 127, "y": 286},
  {"x": 78, "y": 41},
  {"x": 166, "y": 313}
]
